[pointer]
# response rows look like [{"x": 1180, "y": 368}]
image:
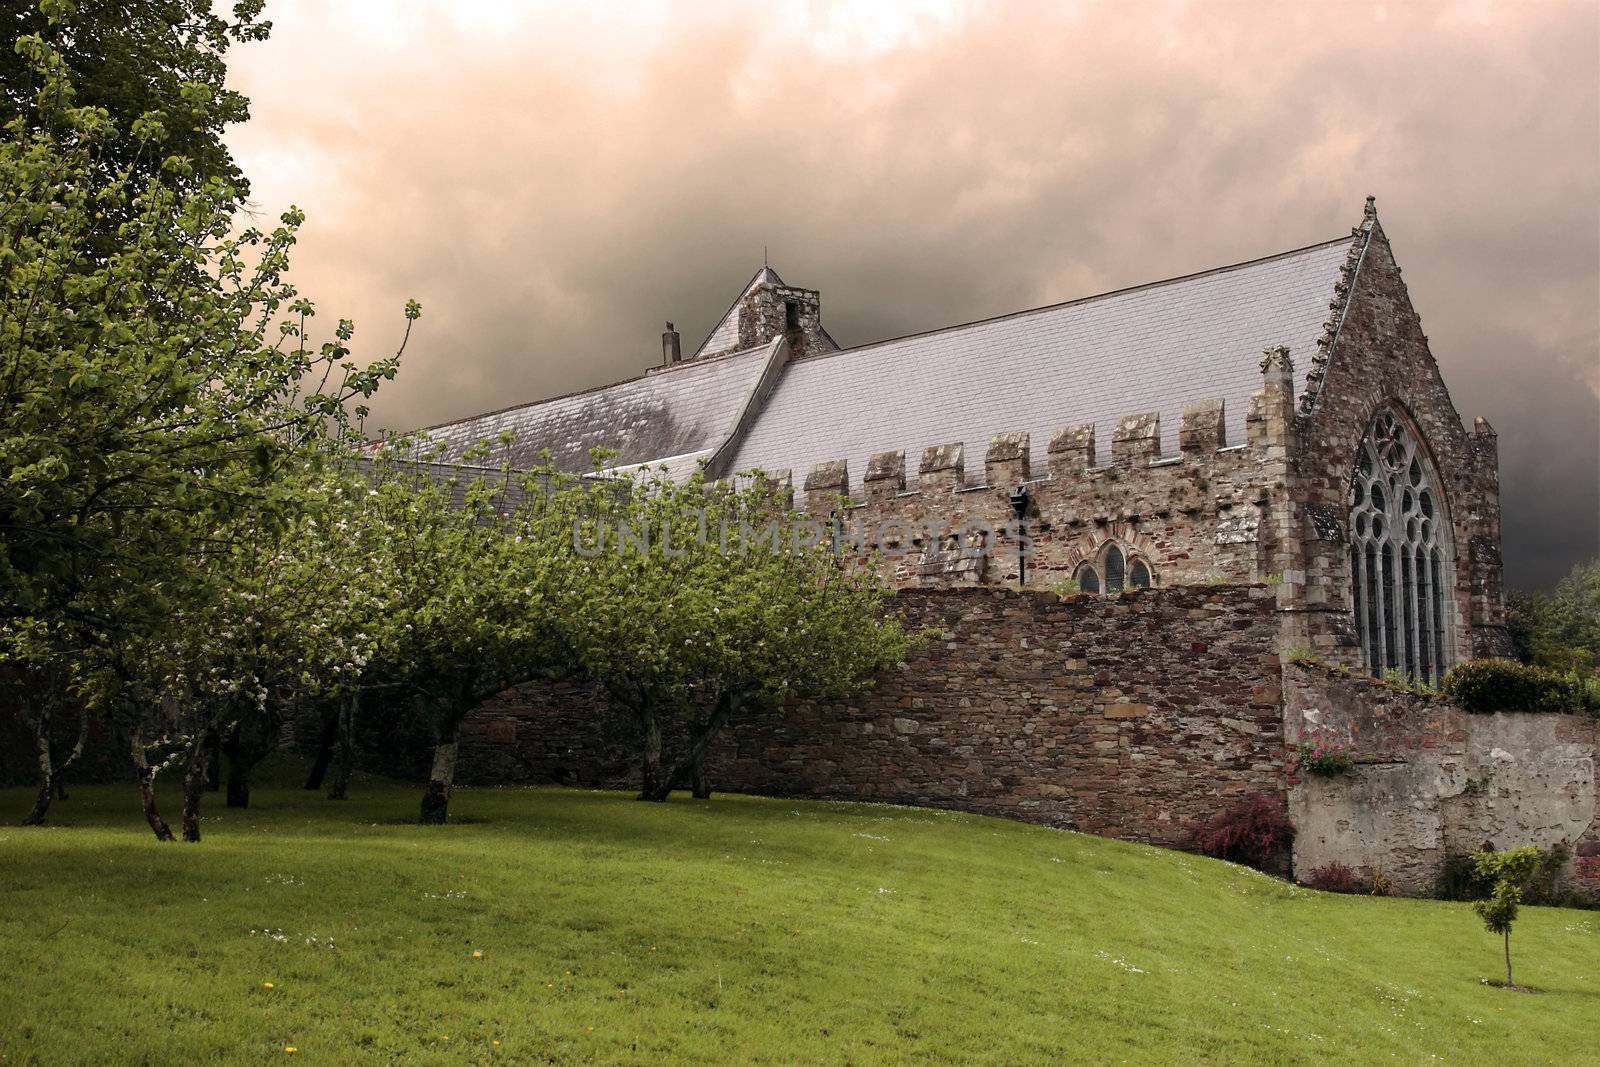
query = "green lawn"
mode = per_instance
[{"x": 732, "y": 931}]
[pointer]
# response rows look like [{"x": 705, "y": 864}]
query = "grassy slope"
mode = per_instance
[{"x": 739, "y": 930}]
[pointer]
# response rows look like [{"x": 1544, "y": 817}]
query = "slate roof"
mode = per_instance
[
  {"x": 1150, "y": 348},
  {"x": 680, "y": 411}
]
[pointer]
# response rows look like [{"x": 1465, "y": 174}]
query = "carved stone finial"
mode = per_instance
[
  {"x": 1370, "y": 212},
  {"x": 1277, "y": 357}
]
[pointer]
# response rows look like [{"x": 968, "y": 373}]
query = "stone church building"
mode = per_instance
[
  {"x": 1244, "y": 495},
  {"x": 1278, "y": 421}
]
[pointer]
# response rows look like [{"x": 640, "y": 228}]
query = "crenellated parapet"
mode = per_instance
[
  {"x": 886, "y": 476},
  {"x": 942, "y": 467},
  {"x": 827, "y": 482},
  {"x": 1192, "y": 517},
  {"x": 1204, "y": 427},
  {"x": 1072, "y": 450},
  {"x": 1136, "y": 440},
  {"x": 1006, "y": 462}
]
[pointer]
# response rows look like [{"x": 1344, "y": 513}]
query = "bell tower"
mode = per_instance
[{"x": 769, "y": 308}]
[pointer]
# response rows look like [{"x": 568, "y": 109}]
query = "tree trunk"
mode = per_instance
[
  {"x": 657, "y": 783},
  {"x": 1509, "y": 983},
  {"x": 239, "y": 768},
  {"x": 436, "y": 798},
  {"x": 694, "y": 764},
  {"x": 47, "y": 776},
  {"x": 330, "y": 733},
  {"x": 196, "y": 780},
  {"x": 240, "y": 762},
  {"x": 147, "y": 790},
  {"x": 213, "y": 780},
  {"x": 346, "y": 726},
  {"x": 51, "y": 780},
  {"x": 700, "y": 784}
]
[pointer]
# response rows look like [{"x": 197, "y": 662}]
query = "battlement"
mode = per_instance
[
  {"x": 939, "y": 517},
  {"x": 1008, "y": 460}
]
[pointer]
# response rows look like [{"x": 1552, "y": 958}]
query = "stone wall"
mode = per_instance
[
  {"x": 1134, "y": 716},
  {"x": 1432, "y": 780}
]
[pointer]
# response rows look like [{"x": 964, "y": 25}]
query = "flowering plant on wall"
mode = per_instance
[{"x": 1320, "y": 753}]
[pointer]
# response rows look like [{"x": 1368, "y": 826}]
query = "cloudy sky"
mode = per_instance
[{"x": 553, "y": 181}]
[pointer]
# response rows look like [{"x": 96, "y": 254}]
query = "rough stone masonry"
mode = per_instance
[{"x": 1139, "y": 716}]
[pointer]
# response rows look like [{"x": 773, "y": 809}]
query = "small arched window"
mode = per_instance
[
  {"x": 1113, "y": 562},
  {"x": 1088, "y": 580},
  {"x": 1139, "y": 575}
]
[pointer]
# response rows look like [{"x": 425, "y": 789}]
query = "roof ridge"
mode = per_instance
[
  {"x": 813, "y": 356},
  {"x": 648, "y": 372}
]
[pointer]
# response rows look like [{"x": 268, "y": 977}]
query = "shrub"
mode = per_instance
[
  {"x": 1336, "y": 878},
  {"x": 1255, "y": 832},
  {"x": 1459, "y": 879},
  {"x": 1320, "y": 754},
  {"x": 1395, "y": 678},
  {"x": 1489, "y": 685},
  {"x": 1381, "y": 885},
  {"x": 1510, "y": 872}
]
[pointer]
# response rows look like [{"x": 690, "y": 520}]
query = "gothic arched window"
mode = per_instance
[
  {"x": 1113, "y": 563},
  {"x": 1399, "y": 559},
  {"x": 1119, "y": 569},
  {"x": 1088, "y": 580}
]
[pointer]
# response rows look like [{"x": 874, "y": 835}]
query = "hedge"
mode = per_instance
[{"x": 1489, "y": 685}]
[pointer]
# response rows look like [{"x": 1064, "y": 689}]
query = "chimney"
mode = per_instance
[{"x": 671, "y": 350}]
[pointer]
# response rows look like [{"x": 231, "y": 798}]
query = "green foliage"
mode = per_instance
[
  {"x": 1560, "y": 630},
  {"x": 1459, "y": 879},
  {"x": 1302, "y": 655},
  {"x": 1065, "y": 587},
  {"x": 157, "y": 68},
  {"x": 153, "y": 387},
  {"x": 447, "y": 583},
  {"x": 1395, "y": 678},
  {"x": 164, "y": 412},
  {"x": 1508, "y": 872},
  {"x": 1490, "y": 685},
  {"x": 704, "y": 602},
  {"x": 1522, "y": 614}
]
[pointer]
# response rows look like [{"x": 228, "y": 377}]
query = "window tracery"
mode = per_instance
[{"x": 1399, "y": 560}]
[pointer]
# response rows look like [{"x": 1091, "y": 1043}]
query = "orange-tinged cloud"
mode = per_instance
[{"x": 553, "y": 181}]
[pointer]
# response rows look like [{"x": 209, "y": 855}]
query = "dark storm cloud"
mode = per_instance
[{"x": 554, "y": 185}]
